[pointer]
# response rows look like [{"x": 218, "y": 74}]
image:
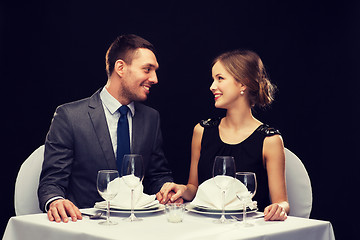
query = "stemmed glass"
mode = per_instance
[
  {"x": 249, "y": 180},
  {"x": 223, "y": 175},
  {"x": 108, "y": 187},
  {"x": 132, "y": 172}
]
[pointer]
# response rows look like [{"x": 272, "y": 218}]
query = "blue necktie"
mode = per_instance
[{"x": 123, "y": 138}]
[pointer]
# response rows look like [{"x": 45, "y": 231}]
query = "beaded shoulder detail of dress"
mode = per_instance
[
  {"x": 267, "y": 130},
  {"x": 211, "y": 122},
  {"x": 263, "y": 129}
]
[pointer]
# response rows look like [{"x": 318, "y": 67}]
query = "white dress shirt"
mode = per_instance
[{"x": 112, "y": 115}]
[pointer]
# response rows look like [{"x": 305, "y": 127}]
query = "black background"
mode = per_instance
[{"x": 53, "y": 52}]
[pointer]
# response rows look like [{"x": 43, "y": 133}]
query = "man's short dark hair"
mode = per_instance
[{"x": 124, "y": 48}]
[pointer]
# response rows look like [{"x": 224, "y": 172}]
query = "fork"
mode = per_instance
[
  {"x": 94, "y": 216},
  {"x": 239, "y": 219}
]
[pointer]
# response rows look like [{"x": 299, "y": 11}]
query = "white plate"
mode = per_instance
[
  {"x": 152, "y": 205},
  {"x": 203, "y": 210},
  {"x": 152, "y": 209}
]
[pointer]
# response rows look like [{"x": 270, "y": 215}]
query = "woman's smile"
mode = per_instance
[{"x": 217, "y": 96}]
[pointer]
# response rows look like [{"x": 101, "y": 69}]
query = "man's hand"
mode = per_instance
[
  {"x": 171, "y": 192},
  {"x": 163, "y": 200},
  {"x": 60, "y": 209}
]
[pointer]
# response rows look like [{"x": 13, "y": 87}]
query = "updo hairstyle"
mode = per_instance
[{"x": 247, "y": 68}]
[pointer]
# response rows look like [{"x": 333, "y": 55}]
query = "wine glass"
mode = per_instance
[
  {"x": 108, "y": 187},
  {"x": 223, "y": 175},
  {"x": 249, "y": 180},
  {"x": 132, "y": 173}
]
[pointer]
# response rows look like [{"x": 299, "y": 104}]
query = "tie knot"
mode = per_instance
[{"x": 123, "y": 109}]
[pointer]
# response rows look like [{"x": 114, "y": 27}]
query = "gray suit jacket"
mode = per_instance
[{"x": 78, "y": 144}]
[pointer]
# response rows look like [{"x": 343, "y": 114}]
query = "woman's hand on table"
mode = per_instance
[
  {"x": 61, "y": 208},
  {"x": 171, "y": 192},
  {"x": 275, "y": 212}
]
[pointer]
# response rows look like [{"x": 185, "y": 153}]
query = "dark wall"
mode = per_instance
[{"x": 53, "y": 52}]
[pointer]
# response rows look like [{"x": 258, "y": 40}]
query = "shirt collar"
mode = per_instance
[{"x": 112, "y": 104}]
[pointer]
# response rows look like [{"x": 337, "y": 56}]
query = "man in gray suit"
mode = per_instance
[{"x": 82, "y": 138}]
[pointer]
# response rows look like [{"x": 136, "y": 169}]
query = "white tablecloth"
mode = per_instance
[{"x": 155, "y": 226}]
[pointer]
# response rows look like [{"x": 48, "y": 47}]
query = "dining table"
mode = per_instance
[{"x": 154, "y": 225}]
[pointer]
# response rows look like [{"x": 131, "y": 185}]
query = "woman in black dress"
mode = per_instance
[{"x": 240, "y": 83}]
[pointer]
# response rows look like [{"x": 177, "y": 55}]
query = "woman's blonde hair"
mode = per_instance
[{"x": 247, "y": 68}]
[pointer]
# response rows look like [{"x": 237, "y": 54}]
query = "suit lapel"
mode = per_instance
[
  {"x": 97, "y": 116},
  {"x": 137, "y": 129}
]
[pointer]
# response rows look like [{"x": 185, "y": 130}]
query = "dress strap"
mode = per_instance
[
  {"x": 267, "y": 130},
  {"x": 211, "y": 122}
]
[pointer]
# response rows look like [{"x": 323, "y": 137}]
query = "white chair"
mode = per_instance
[
  {"x": 298, "y": 186},
  {"x": 27, "y": 182}
]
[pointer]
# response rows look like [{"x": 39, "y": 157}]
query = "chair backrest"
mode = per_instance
[
  {"x": 298, "y": 186},
  {"x": 27, "y": 182}
]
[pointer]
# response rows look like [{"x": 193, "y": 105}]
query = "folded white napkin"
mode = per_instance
[
  {"x": 123, "y": 198},
  {"x": 245, "y": 198},
  {"x": 209, "y": 195}
]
